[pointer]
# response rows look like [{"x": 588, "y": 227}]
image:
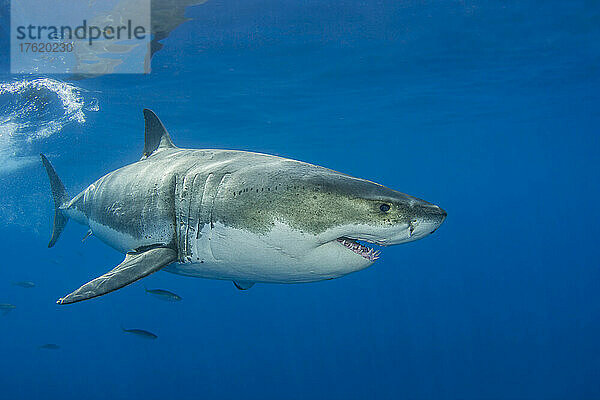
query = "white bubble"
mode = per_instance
[{"x": 33, "y": 110}]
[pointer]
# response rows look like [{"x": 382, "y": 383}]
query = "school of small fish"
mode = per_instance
[{"x": 160, "y": 294}]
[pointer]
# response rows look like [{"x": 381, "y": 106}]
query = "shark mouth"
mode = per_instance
[{"x": 360, "y": 249}]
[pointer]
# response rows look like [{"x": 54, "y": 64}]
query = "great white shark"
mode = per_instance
[{"x": 235, "y": 215}]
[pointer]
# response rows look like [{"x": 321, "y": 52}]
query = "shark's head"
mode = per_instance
[
  {"x": 317, "y": 223},
  {"x": 365, "y": 211},
  {"x": 357, "y": 216}
]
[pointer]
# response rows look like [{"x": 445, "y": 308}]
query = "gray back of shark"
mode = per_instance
[{"x": 235, "y": 215}]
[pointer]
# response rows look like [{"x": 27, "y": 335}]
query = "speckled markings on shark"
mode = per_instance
[{"x": 235, "y": 215}]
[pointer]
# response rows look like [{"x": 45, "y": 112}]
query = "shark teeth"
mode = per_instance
[{"x": 366, "y": 252}]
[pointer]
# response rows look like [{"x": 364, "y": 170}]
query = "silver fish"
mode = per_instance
[
  {"x": 5, "y": 308},
  {"x": 141, "y": 333},
  {"x": 49, "y": 346},
  {"x": 164, "y": 295},
  {"x": 25, "y": 284}
]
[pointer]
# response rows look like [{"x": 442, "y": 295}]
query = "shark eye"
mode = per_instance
[{"x": 384, "y": 207}]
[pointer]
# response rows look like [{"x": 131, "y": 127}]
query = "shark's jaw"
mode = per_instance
[{"x": 364, "y": 251}]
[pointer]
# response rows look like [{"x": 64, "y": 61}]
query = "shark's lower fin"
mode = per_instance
[
  {"x": 61, "y": 199},
  {"x": 135, "y": 266},
  {"x": 243, "y": 285}
]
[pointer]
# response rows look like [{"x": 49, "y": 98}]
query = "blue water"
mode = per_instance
[{"x": 489, "y": 109}]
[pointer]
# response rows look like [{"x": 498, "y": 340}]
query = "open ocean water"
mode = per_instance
[{"x": 489, "y": 109}]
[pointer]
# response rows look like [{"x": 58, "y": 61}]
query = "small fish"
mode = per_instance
[
  {"x": 5, "y": 308},
  {"x": 164, "y": 295},
  {"x": 141, "y": 333},
  {"x": 49, "y": 346},
  {"x": 25, "y": 284},
  {"x": 87, "y": 235}
]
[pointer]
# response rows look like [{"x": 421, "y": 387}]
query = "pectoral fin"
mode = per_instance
[
  {"x": 243, "y": 285},
  {"x": 135, "y": 266}
]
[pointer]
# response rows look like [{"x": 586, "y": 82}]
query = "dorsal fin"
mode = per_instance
[{"x": 155, "y": 134}]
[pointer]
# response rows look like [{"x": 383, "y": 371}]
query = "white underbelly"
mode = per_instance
[
  {"x": 281, "y": 256},
  {"x": 225, "y": 271}
]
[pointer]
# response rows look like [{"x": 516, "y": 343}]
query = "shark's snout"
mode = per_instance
[
  {"x": 427, "y": 219},
  {"x": 440, "y": 217}
]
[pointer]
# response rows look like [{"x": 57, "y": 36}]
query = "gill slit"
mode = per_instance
[
  {"x": 200, "y": 208},
  {"x": 214, "y": 199}
]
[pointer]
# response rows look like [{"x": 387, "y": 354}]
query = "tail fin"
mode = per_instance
[{"x": 61, "y": 198}]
